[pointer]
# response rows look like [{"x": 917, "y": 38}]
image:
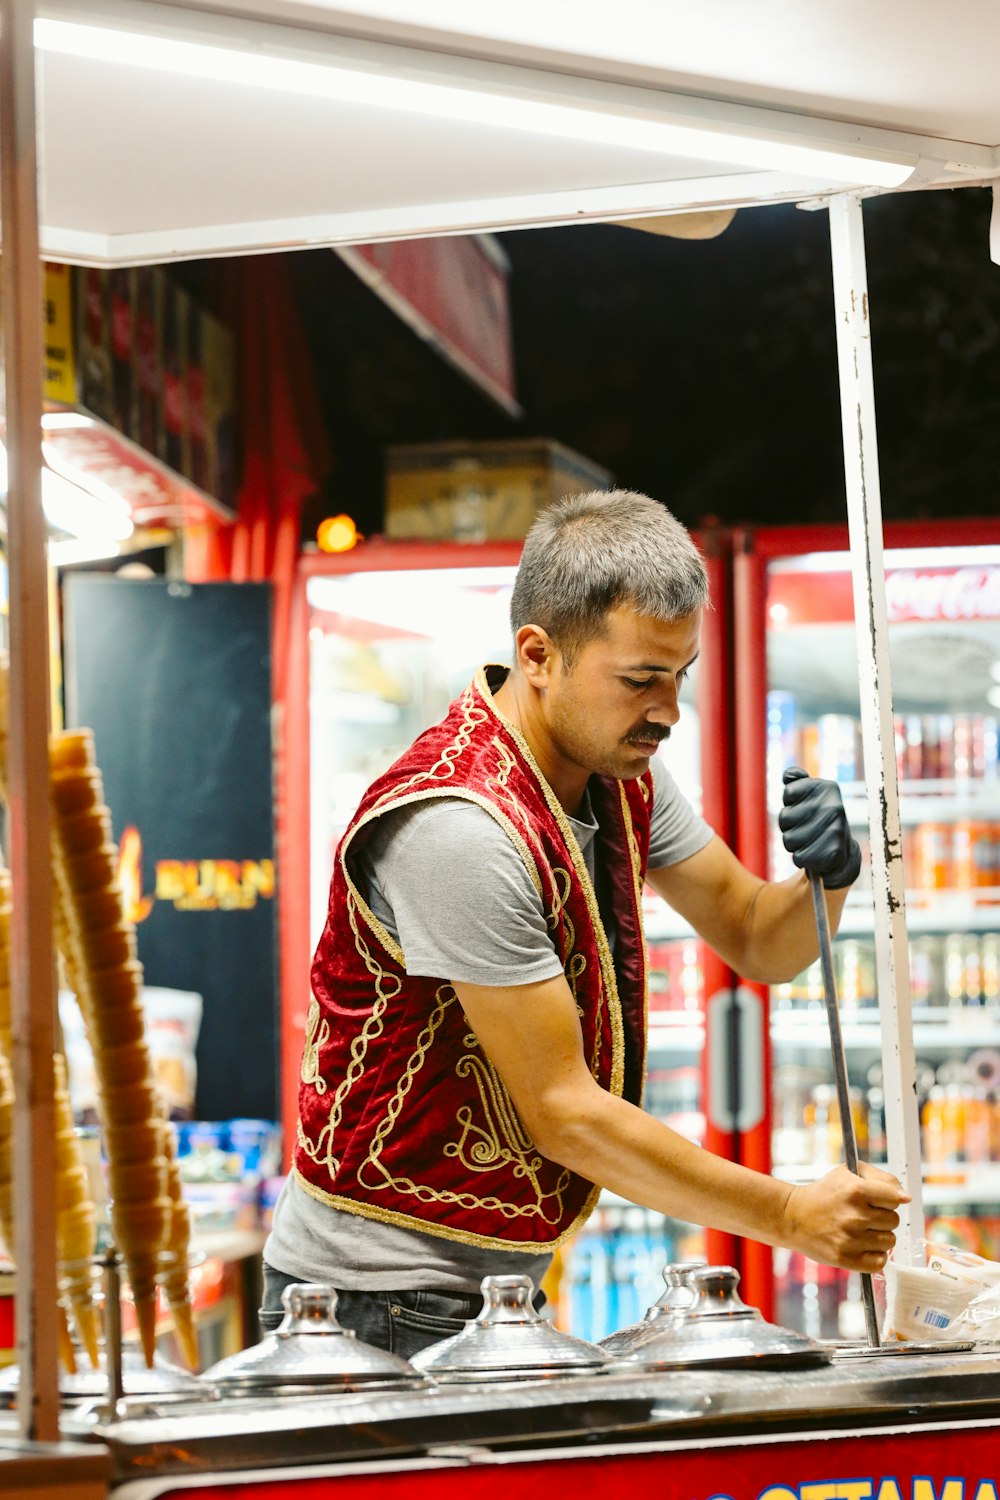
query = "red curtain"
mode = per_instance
[{"x": 285, "y": 453}]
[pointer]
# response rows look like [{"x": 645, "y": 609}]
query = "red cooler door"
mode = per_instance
[
  {"x": 796, "y": 648},
  {"x": 384, "y": 639}
]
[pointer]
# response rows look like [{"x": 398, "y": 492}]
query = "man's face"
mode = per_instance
[{"x": 609, "y": 711}]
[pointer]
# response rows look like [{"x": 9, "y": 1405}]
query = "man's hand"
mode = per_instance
[
  {"x": 815, "y": 830},
  {"x": 845, "y": 1220}
]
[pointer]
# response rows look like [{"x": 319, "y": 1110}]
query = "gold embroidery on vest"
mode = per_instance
[
  {"x": 637, "y": 881},
  {"x": 317, "y": 1036},
  {"x": 608, "y": 992},
  {"x": 501, "y": 1139},
  {"x": 574, "y": 963},
  {"x": 446, "y": 997},
  {"x": 387, "y": 987},
  {"x": 444, "y": 766},
  {"x": 446, "y": 1231}
]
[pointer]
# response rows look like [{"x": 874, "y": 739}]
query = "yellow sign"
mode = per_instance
[{"x": 60, "y": 366}]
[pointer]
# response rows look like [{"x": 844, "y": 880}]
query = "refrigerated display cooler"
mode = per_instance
[
  {"x": 384, "y": 638},
  {"x": 797, "y": 702}
]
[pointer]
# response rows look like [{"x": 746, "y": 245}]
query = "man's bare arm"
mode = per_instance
[
  {"x": 764, "y": 930},
  {"x": 531, "y": 1034}
]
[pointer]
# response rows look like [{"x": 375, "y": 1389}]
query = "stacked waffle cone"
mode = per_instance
[
  {"x": 76, "y": 1232},
  {"x": 148, "y": 1218}
]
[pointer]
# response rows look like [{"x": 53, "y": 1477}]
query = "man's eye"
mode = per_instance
[{"x": 633, "y": 682}]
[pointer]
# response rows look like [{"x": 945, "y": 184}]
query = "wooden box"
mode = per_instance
[{"x": 477, "y": 492}]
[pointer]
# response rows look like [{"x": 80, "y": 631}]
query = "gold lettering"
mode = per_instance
[
  {"x": 227, "y": 879},
  {"x": 952, "y": 1489},
  {"x": 258, "y": 875},
  {"x": 170, "y": 882},
  {"x": 207, "y": 884}
]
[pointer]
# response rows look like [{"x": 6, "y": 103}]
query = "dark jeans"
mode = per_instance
[{"x": 403, "y": 1322}]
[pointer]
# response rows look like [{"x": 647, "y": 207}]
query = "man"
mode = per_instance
[{"x": 475, "y": 1043}]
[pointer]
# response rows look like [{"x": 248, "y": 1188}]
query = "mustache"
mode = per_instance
[{"x": 657, "y": 732}]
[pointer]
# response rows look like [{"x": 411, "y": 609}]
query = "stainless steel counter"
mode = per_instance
[{"x": 572, "y": 1411}]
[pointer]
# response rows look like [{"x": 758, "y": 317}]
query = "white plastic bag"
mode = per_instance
[{"x": 929, "y": 1302}]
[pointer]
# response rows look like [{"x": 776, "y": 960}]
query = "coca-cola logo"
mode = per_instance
[{"x": 956, "y": 594}]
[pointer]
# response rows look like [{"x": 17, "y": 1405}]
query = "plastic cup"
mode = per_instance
[{"x": 921, "y": 1304}]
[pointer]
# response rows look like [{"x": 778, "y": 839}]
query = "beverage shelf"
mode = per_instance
[
  {"x": 685, "y": 1034},
  {"x": 943, "y": 912},
  {"x": 663, "y": 925},
  {"x": 922, "y": 801},
  {"x": 808, "y": 1029},
  {"x": 939, "y": 801},
  {"x": 944, "y": 1186}
]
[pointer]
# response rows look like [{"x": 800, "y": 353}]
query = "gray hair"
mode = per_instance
[{"x": 588, "y": 553}]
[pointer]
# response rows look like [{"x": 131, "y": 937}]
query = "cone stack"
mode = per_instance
[
  {"x": 6, "y": 1153},
  {"x": 76, "y": 1228},
  {"x": 150, "y": 1221},
  {"x": 176, "y": 1283},
  {"x": 99, "y": 950}
]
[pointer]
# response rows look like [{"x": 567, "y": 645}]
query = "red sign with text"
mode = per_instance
[
  {"x": 925, "y": 593},
  {"x": 952, "y": 1464}
]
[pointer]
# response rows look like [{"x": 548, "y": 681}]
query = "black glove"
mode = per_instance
[{"x": 815, "y": 831}]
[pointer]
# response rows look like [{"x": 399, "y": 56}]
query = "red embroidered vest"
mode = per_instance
[{"x": 402, "y": 1117}]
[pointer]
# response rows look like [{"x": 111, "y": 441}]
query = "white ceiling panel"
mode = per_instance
[
  {"x": 143, "y": 164},
  {"x": 911, "y": 65}
]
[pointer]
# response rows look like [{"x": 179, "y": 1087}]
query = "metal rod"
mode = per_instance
[
  {"x": 32, "y": 971},
  {"x": 111, "y": 1262},
  {"x": 864, "y": 512},
  {"x": 840, "y": 1076}
]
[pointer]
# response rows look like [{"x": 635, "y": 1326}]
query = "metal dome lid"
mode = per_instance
[
  {"x": 310, "y": 1348},
  {"x": 718, "y": 1328},
  {"x": 163, "y": 1380},
  {"x": 672, "y": 1301},
  {"x": 509, "y": 1340}
]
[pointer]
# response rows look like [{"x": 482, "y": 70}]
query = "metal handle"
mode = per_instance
[
  {"x": 840, "y": 1076},
  {"x": 112, "y": 1408}
]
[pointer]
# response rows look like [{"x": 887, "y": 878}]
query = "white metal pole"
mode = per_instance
[
  {"x": 32, "y": 972},
  {"x": 864, "y": 511}
]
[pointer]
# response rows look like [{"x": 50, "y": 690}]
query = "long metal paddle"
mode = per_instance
[{"x": 840, "y": 1074}]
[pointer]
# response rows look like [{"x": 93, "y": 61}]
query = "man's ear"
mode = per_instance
[{"x": 536, "y": 653}]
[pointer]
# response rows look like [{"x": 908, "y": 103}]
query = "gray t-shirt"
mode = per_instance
[{"x": 435, "y": 874}]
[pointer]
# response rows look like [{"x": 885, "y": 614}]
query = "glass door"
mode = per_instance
[
  {"x": 944, "y": 613},
  {"x": 390, "y": 646}
]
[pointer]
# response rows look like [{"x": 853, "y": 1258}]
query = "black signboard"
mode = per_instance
[{"x": 174, "y": 680}]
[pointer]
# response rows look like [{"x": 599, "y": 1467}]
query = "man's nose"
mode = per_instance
[{"x": 666, "y": 709}]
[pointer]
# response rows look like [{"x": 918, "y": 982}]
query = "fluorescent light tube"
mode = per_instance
[
  {"x": 599, "y": 124},
  {"x": 78, "y": 505}
]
